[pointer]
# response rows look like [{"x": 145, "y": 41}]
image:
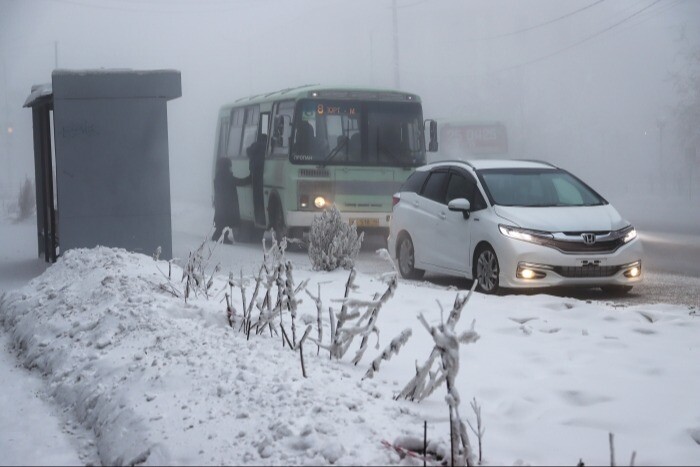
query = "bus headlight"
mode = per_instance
[{"x": 320, "y": 202}]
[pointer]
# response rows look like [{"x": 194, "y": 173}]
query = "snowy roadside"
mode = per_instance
[
  {"x": 165, "y": 382},
  {"x": 28, "y": 435}
]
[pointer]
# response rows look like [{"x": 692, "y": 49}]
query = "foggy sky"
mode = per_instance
[{"x": 568, "y": 93}]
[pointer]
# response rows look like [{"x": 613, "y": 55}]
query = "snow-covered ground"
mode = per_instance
[{"x": 161, "y": 381}]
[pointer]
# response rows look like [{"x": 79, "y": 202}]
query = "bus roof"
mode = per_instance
[{"x": 328, "y": 92}]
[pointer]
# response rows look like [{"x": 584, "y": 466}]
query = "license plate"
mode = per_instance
[
  {"x": 592, "y": 262},
  {"x": 365, "y": 222}
]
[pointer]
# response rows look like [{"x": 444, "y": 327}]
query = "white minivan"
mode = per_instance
[{"x": 511, "y": 224}]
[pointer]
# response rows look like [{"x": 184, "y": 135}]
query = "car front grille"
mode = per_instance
[
  {"x": 586, "y": 271},
  {"x": 572, "y": 243},
  {"x": 567, "y": 246}
]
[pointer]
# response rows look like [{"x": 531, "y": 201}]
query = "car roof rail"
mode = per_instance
[
  {"x": 453, "y": 161},
  {"x": 538, "y": 161}
]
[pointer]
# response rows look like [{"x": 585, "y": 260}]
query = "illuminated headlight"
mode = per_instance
[
  {"x": 533, "y": 236},
  {"x": 304, "y": 201},
  {"x": 320, "y": 202},
  {"x": 630, "y": 234},
  {"x": 633, "y": 270}
]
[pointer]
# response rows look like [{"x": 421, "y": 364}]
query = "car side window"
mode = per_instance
[
  {"x": 434, "y": 188},
  {"x": 415, "y": 182},
  {"x": 460, "y": 186}
]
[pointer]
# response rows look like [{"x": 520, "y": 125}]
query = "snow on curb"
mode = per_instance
[{"x": 164, "y": 382}]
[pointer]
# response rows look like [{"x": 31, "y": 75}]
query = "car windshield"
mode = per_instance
[
  {"x": 537, "y": 188},
  {"x": 335, "y": 132}
]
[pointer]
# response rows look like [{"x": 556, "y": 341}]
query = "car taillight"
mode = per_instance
[{"x": 395, "y": 200}]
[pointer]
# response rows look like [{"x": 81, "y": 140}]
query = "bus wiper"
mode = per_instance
[{"x": 336, "y": 149}]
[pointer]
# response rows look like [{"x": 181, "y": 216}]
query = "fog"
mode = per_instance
[{"x": 580, "y": 83}]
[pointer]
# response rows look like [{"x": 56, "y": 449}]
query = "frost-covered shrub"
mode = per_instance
[{"x": 332, "y": 242}]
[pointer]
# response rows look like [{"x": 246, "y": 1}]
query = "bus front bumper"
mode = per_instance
[{"x": 367, "y": 221}]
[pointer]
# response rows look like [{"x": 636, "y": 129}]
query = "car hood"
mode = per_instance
[{"x": 563, "y": 218}]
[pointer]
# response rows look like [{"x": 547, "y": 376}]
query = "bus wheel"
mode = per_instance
[
  {"x": 277, "y": 220},
  {"x": 244, "y": 233}
]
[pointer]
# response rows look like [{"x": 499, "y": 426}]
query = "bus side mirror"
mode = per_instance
[{"x": 433, "y": 144}]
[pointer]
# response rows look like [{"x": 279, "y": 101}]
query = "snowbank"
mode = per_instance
[{"x": 160, "y": 381}]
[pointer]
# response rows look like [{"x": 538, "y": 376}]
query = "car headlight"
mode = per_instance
[
  {"x": 526, "y": 235},
  {"x": 629, "y": 233}
]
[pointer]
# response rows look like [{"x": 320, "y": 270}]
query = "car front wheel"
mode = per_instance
[
  {"x": 407, "y": 259},
  {"x": 487, "y": 270}
]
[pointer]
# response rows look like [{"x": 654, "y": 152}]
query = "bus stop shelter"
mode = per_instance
[{"x": 106, "y": 180}]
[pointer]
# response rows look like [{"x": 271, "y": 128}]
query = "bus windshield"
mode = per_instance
[{"x": 341, "y": 132}]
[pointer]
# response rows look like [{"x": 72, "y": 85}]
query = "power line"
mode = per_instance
[
  {"x": 153, "y": 7},
  {"x": 413, "y": 4},
  {"x": 657, "y": 11},
  {"x": 546, "y": 23},
  {"x": 576, "y": 44}
]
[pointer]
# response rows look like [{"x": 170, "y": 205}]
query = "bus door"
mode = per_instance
[{"x": 243, "y": 133}]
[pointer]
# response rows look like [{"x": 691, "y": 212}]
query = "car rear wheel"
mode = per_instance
[
  {"x": 487, "y": 270},
  {"x": 407, "y": 259}
]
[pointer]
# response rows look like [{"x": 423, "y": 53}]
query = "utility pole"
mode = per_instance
[
  {"x": 7, "y": 130},
  {"x": 396, "y": 43},
  {"x": 55, "y": 54},
  {"x": 661, "y": 123},
  {"x": 371, "y": 57}
]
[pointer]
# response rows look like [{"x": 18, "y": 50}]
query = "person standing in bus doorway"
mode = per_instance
[
  {"x": 226, "y": 210},
  {"x": 256, "y": 161}
]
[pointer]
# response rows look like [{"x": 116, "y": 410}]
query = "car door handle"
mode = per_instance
[
  {"x": 443, "y": 216},
  {"x": 416, "y": 203}
]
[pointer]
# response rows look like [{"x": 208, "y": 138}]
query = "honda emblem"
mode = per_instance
[{"x": 588, "y": 238}]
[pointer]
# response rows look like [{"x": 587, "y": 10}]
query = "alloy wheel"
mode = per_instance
[{"x": 487, "y": 271}]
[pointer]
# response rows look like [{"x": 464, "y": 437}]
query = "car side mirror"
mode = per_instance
[{"x": 460, "y": 204}]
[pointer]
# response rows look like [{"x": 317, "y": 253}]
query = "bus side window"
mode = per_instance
[
  {"x": 264, "y": 127},
  {"x": 236, "y": 133},
  {"x": 223, "y": 138},
  {"x": 282, "y": 127},
  {"x": 250, "y": 130}
]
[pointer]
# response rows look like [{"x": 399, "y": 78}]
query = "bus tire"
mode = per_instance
[
  {"x": 276, "y": 217},
  {"x": 245, "y": 232}
]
